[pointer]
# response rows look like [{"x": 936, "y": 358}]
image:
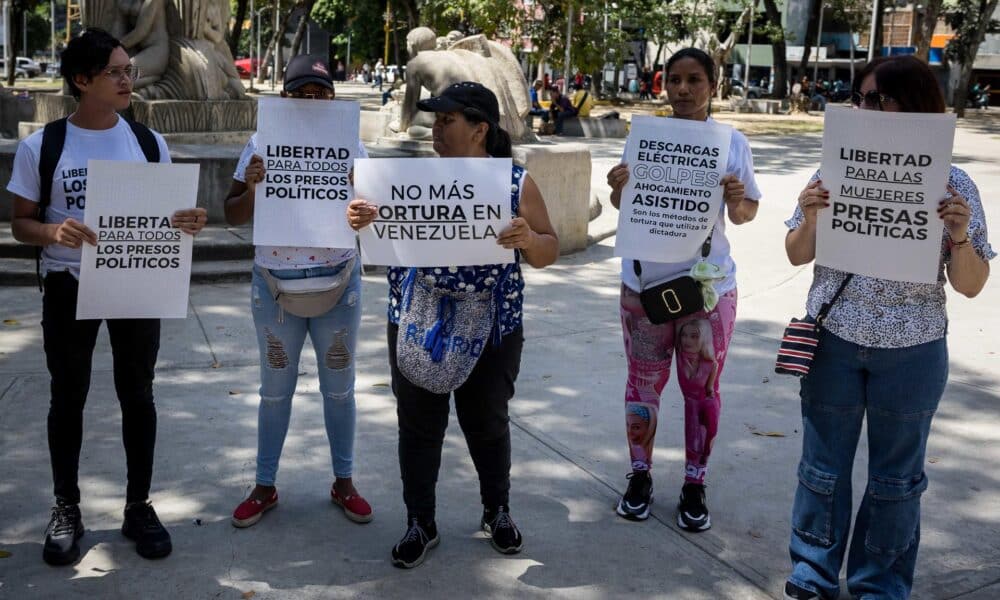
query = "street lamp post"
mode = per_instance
[
  {"x": 52, "y": 49},
  {"x": 388, "y": 20},
  {"x": 871, "y": 36},
  {"x": 569, "y": 41},
  {"x": 819, "y": 36},
  {"x": 746, "y": 76}
]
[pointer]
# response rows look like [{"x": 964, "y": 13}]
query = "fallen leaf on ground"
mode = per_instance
[
  {"x": 4, "y": 554},
  {"x": 768, "y": 433},
  {"x": 10, "y": 322},
  {"x": 235, "y": 392},
  {"x": 380, "y": 384},
  {"x": 216, "y": 365},
  {"x": 248, "y": 595},
  {"x": 755, "y": 534},
  {"x": 933, "y": 459}
]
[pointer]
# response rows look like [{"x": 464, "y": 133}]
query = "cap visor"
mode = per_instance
[
  {"x": 295, "y": 84},
  {"x": 440, "y": 104}
]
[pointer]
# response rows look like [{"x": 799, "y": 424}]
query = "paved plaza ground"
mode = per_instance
[{"x": 570, "y": 456}]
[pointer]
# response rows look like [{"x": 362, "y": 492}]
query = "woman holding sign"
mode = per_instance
[
  {"x": 702, "y": 338},
  {"x": 49, "y": 184},
  {"x": 466, "y": 124},
  {"x": 881, "y": 355},
  {"x": 296, "y": 291}
]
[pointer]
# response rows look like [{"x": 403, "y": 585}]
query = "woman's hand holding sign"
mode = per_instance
[
  {"x": 956, "y": 214},
  {"x": 190, "y": 221},
  {"x": 617, "y": 178},
  {"x": 518, "y": 235},
  {"x": 734, "y": 194},
  {"x": 254, "y": 173},
  {"x": 360, "y": 213},
  {"x": 812, "y": 199},
  {"x": 72, "y": 234},
  {"x": 800, "y": 243}
]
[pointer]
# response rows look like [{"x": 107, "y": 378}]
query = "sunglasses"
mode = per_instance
[{"x": 873, "y": 100}]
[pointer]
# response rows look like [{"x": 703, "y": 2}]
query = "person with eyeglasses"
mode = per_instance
[
  {"x": 466, "y": 124},
  {"x": 882, "y": 356},
  {"x": 281, "y": 335},
  {"x": 97, "y": 72}
]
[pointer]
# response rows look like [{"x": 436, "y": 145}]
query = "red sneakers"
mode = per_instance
[
  {"x": 355, "y": 507},
  {"x": 250, "y": 511}
]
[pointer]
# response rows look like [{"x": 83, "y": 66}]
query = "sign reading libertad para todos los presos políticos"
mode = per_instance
[
  {"x": 308, "y": 147},
  {"x": 141, "y": 266}
]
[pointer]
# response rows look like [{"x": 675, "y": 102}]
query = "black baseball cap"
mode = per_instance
[
  {"x": 303, "y": 69},
  {"x": 467, "y": 97}
]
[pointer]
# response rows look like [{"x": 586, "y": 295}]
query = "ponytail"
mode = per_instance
[{"x": 498, "y": 143}]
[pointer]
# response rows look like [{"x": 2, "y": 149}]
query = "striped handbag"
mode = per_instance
[{"x": 801, "y": 338}]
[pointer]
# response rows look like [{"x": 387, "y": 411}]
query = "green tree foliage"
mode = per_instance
[{"x": 971, "y": 20}]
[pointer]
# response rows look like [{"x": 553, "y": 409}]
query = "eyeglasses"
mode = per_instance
[
  {"x": 120, "y": 73},
  {"x": 873, "y": 100}
]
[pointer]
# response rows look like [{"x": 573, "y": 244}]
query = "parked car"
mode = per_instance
[
  {"x": 53, "y": 70},
  {"x": 30, "y": 67},
  {"x": 246, "y": 67},
  {"x": 755, "y": 90},
  {"x": 18, "y": 71}
]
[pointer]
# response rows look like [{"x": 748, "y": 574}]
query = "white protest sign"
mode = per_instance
[
  {"x": 435, "y": 212},
  {"x": 308, "y": 147},
  {"x": 886, "y": 173},
  {"x": 674, "y": 190},
  {"x": 141, "y": 266}
]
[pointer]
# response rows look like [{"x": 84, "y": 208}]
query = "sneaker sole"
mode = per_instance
[
  {"x": 402, "y": 564},
  {"x": 362, "y": 519},
  {"x": 698, "y": 529},
  {"x": 162, "y": 552},
  {"x": 489, "y": 531},
  {"x": 61, "y": 560},
  {"x": 628, "y": 516},
  {"x": 250, "y": 521}
]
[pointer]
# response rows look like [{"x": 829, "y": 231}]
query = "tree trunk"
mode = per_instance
[
  {"x": 812, "y": 34},
  {"x": 962, "y": 89},
  {"x": 16, "y": 18},
  {"x": 237, "y": 32},
  {"x": 927, "y": 29},
  {"x": 778, "y": 52},
  {"x": 988, "y": 7},
  {"x": 272, "y": 46},
  {"x": 301, "y": 29}
]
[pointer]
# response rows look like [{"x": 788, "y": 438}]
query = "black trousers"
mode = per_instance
[
  {"x": 69, "y": 350},
  {"x": 481, "y": 405}
]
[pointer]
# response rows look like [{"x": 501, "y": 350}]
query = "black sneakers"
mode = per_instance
[
  {"x": 143, "y": 527},
  {"x": 634, "y": 505},
  {"x": 692, "y": 513},
  {"x": 65, "y": 528},
  {"x": 794, "y": 592},
  {"x": 418, "y": 539},
  {"x": 504, "y": 535}
]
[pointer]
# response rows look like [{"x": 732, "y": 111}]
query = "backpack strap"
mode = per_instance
[
  {"x": 147, "y": 141},
  {"x": 53, "y": 140},
  {"x": 583, "y": 100}
]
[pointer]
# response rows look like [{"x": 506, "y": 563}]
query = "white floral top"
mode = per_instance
[{"x": 880, "y": 313}]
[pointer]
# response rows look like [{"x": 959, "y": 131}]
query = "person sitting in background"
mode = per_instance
[
  {"x": 560, "y": 109},
  {"x": 536, "y": 107}
]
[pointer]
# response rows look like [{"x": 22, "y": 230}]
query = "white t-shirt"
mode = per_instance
[
  {"x": 69, "y": 182},
  {"x": 740, "y": 163},
  {"x": 288, "y": 257}
]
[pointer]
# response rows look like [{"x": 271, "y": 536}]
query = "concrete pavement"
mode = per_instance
[{"x": 569, "y": 452}]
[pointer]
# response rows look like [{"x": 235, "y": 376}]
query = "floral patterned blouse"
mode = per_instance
[
  {"x": 473, "y": 278},
  {"x": 880, "y": 313}
]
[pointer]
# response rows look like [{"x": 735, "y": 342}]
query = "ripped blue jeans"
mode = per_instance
[
  {"x": 280, "y": 338},
  {"x": 897, "y": 390}
]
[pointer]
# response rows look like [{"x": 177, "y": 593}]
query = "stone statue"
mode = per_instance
[
  {"x": 178, "y": 45},
  {"x": 468, "y": 59}
]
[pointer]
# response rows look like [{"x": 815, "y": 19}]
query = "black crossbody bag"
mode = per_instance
[{"x": 672, "y": 299}]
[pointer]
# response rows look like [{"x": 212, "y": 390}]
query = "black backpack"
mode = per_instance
[{"x": 53, "y": 140}]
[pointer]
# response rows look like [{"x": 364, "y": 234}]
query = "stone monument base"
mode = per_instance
[{"x": 165, "y": 116}]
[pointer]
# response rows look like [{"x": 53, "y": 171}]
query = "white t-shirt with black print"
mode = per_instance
[
  {"x": 290, "y": 257},
  {"x": 69, "y": 182},
  {"x": 740, "y": 163},
  {"x": 880, "y": 313}
]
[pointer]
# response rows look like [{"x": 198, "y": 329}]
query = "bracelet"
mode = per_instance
[{"x": 966, "y": 242}]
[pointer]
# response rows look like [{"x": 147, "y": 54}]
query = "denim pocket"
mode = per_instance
[
  {"x": 894, "y": 513},
  {"x": 812, "y": 516}
]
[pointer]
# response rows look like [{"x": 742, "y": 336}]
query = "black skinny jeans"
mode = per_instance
[
  {"x": 69, "y": 350},
  {"x": 481, "y": 405}
]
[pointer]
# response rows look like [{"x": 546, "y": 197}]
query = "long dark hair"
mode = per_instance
[
  {"x": 908, "y": 80},
  {"x": 498, "y": 142}
]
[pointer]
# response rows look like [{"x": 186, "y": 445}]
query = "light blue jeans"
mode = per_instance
[
  {"x": 898, "y": 390},
  {"x": 280, "y": 338}
]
